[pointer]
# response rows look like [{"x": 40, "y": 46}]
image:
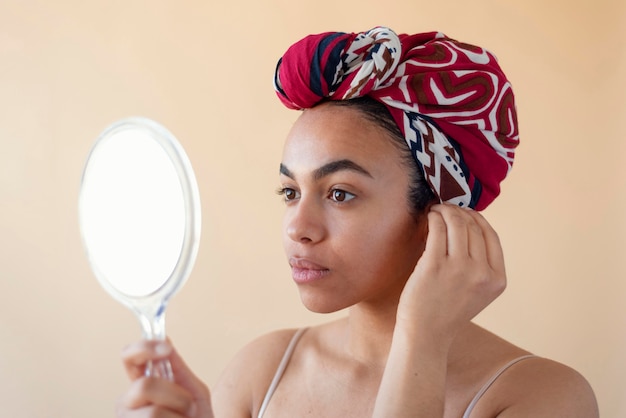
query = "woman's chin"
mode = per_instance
[{"x": 321, "y": 305}]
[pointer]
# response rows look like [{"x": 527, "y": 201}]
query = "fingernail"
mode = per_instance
[{"x": 162, "y": 349}]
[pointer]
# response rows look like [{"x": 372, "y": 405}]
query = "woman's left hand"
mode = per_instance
[{"x": 460, "y": 272}]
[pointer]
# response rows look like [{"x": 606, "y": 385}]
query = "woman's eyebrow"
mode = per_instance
[
  {"x": 285, "y": 171},
  {"x": 330, "y": 168},
  {"x": 339, "y": 165}
]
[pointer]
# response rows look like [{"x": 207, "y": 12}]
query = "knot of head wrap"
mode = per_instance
[{"x": 451, "y": 101}]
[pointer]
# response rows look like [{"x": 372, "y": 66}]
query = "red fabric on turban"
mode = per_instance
[{"x": 451, "y": 101}]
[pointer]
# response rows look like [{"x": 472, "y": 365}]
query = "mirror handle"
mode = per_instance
[
  {"x": 161, "y": 368},
  {"x": 153, "y": 328}
]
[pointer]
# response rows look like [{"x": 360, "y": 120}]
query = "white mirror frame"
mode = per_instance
[{"x": 150, "y": 308}]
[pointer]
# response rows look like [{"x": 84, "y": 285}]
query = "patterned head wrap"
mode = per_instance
[{"x": 451, "y": 101}]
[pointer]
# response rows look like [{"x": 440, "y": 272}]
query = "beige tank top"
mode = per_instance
[{"x": 296, "y": 337}]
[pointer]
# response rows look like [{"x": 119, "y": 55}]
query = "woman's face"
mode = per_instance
[{"x": 348, "y": 233}]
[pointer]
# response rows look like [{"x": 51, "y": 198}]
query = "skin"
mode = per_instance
[{"x": 411, "y": 284}]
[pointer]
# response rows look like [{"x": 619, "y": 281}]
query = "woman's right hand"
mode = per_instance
[{"x": 186, "y": 396}]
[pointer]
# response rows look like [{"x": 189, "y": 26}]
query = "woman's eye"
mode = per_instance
[
  {"x": 341, "y": 195},
  {"x": 288, "y": 193}
]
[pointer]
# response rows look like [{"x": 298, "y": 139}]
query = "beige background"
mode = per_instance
[{"x": 68, "y": 68}]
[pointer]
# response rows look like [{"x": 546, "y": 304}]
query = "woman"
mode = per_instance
[{"x": 392, "y": 232}]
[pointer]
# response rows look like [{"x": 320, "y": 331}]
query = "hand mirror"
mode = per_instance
[{"x": 139, "y": 215}]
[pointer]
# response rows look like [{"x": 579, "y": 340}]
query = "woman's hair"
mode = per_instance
[{"x": 420, "y": 195}]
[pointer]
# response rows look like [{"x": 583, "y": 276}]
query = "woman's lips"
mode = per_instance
[{"x": 306, "y": 271}]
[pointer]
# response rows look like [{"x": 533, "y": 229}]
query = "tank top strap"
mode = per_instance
[
  {"x": 490, "y": 382},
  {"x": 280, "y": 370}
]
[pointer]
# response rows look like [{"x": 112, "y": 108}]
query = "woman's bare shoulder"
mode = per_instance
[
  {"x": 242, "y": 385},
  {"x": 541, "y": 387},
  {"x": 536, "y": 386}
]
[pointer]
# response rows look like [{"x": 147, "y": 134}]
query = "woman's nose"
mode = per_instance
[{"x": 303, "y": 222}]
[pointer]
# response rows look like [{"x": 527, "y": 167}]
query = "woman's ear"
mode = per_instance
[
  {"x": 420, "y": 232},
  {"x": 423, "y": 218}
]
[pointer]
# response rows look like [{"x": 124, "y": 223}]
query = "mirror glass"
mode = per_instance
[{"x": 139, "y": 216}]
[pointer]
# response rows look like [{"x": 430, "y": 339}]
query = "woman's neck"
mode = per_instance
[{"x": 369, "y": 331}]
